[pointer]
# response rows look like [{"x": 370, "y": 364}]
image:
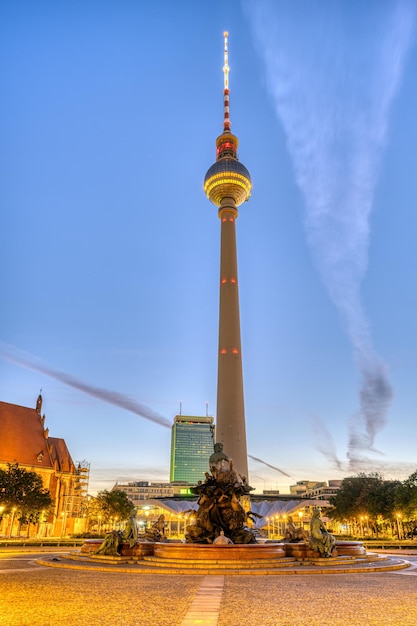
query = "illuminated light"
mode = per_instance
[
  {"x": 225, "y": 184},
  {"x": 231, "y": 219},
  {"x": 223, "y": 351},
  {"x": 233, "y": 280},
  {"x": 224, "y": 219},
  {"x": 224, "y": 280},
  {"x": 227, "y": 177},
  {"x": 235, "y": 351}
]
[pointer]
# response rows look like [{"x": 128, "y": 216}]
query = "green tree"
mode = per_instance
[
  {"x": 364, "y": 496},
  {"x": 406, "y": 498},
  {"x": 382, "y": 502},
  {"x": 113, "y": 505},
  {"x": 352, "y": 498},
  {"x": 23, "y": 491}
]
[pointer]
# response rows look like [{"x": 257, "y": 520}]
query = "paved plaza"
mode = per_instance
[{"x": 33, "y": 595}]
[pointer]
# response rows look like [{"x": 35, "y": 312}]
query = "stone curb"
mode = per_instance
[{"x": 301, "y": 570}]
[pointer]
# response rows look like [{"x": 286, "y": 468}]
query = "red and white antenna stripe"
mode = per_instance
[{"x": 227, "y": 122}]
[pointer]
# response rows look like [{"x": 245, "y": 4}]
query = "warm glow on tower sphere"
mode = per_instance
[{"x": 227, "y": 178}]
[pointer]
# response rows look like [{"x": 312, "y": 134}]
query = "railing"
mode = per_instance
[
  {"x": 7, "y": 543},
  {"x": 391, "y": 545}
]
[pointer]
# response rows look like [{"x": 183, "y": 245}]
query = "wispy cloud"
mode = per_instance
[
  {"x": 19, "y": 357},
  {"x": 333, "y": 79},
  {"x": 24, "y": 359},
  {"x": 325, "y": 444},
  {"x": 277, "y": 469}
]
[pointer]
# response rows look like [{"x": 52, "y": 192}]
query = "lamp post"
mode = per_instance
[
  {"x": 12, "y": 522},
  {"x": 399, "y": 525},
  {"x": 87, "y": 515}
]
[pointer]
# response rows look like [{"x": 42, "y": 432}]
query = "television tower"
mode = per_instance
[{"x": 227, "y": 185}]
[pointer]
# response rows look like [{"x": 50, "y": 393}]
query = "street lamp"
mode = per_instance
[
  {"x": 63, "y": 524},
  {"x": 399, "y": 525},
  {"x": 300, "y": 515},
  {"x": 1, "y": 514},
  {"x": 12, "y": 522}
]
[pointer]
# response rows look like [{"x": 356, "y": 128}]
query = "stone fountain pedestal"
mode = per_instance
[
  {"x": 302, "y": 552},
  {"x": 194, "y": 552}
]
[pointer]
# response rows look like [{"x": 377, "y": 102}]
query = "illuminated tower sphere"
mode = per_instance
[{"x": 227, "y": 185}]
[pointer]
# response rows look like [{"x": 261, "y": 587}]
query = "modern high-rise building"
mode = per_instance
[
  {"x": 192, "y": 444},
  {"x": 227, "y": 185}
]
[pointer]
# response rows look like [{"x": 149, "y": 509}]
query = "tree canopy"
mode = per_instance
[
  {"x": 23, "y": 491},
  {"x": 371, "y": 495},
  {"x": 112, "y": 505},
  {"x": 406, "y": 497}
]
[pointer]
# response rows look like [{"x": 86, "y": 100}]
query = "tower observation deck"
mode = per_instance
[{"x": 227, "y": 185}]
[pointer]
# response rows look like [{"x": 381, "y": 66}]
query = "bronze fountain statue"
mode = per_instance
[
  {"x": 320, "y": 539},
  {"x": 220, "y": 512}
]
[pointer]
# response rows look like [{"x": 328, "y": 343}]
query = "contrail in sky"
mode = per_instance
[
  {"x": 333, "y": 69},
  {"x": 255, "y": 458},
  {"x": 19, "y": 357},
  {"x": 325, "y": 443}
]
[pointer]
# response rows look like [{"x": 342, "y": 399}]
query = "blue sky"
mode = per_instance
[{"x": 110, "y": 250}]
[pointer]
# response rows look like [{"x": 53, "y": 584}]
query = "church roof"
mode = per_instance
[
  {"x": 60, "y": 454},
  {"x": 25, "y": 440}
]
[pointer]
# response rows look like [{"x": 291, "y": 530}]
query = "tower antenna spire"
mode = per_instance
[{"x": 226, "y": 122}]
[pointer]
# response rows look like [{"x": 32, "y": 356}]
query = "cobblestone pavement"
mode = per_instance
[{"x": 31, "y": 595}]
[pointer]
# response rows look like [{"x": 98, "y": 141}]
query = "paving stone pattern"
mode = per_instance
[
  {"x": 31, "y": 595},
  {"x": 351, "y": 600}
]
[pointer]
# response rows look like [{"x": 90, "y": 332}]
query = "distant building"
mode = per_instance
[
  {"x": 25, "y": 440},
  {"x": 141, "y": 491},
  {"x": 314, "y": 490},
  {"x": 302, "y": 486},
  {"x": 192, "y": 444}
]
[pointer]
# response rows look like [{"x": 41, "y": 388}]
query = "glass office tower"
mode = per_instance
[{"x": 192, "y": 444}]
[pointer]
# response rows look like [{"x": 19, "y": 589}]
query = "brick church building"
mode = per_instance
[{"x": 25, "y": 440}]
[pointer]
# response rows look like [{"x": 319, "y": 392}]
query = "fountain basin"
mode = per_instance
[
  {"x": 238, "y": 552},
  {"x": 141, "y": 549},
  {"x": 301, "y": 550}
]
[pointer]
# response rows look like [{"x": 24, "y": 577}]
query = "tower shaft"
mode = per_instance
[
  {"x": 227, "y": 185},
  {"x": 230, "y": 416}
]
